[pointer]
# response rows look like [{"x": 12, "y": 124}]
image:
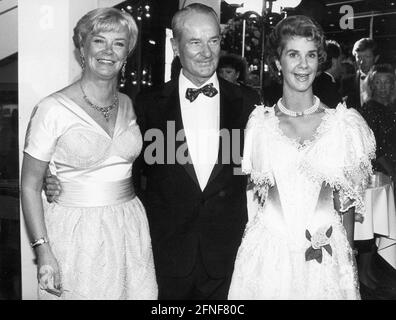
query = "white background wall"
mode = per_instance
[{"x": 46, "y": 64}]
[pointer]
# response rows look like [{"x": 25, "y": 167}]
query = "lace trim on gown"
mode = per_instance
[
  {"x": 320, "y": 130},
  {"x": 356, "y": 145},
  {"x": 351, "y": 151},
  {"x": 259, "y": 174}
]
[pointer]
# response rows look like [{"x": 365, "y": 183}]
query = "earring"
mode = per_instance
[
  {"x": 82, "y": 62},
  {"x": 123, "y": 78},
  {"x": 279, "y": 72}
]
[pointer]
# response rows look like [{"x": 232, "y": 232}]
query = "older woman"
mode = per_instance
[
  {"x": 93, "y": 242},
  {"x": 308, "y": 165},
  {"x": 380, "y": 114}
]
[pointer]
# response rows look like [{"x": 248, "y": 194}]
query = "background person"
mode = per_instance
[
  {"x": 232, "y": 68},
  {"x": 354, "y": 89},
  {"x": 380, "y": 114},
  {"x": 326, "y": 84}
]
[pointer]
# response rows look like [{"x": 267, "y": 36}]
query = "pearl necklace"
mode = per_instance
[
  {"x": 104, "y": 110},
  {"x": 291, "y": 113}
]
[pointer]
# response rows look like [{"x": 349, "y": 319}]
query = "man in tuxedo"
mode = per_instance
[
  {"x": 354, "y": 89},
  {"x": 196, "y": 204},
  {"x": 326, "y": 85}
]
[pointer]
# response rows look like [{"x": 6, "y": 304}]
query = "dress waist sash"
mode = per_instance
[{"x": 96, "y": 194}]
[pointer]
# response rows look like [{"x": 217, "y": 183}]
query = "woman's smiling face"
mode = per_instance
[
  {"x": 298, "y": 63},
  {"x": 105, "y": 52}
]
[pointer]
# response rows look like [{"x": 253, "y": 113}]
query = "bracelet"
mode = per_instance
[{"x": 39, "y": 242}]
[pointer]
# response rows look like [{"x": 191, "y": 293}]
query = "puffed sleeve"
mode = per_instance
[
  {"x": 358, "y": 145},
  {"x": 255, "y": 161},
  {"x": 41, "y": 135}
]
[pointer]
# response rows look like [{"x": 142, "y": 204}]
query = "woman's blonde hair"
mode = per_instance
[{"x": 105, "y": 19}]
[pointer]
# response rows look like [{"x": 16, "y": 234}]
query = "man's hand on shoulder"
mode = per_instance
[{"x": 51, "y": 186}]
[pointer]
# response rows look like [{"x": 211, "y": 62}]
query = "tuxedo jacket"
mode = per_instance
[
  {"x": 327, "y": 91},
  {"x": 184, "y": 220},
  {"x": 351, "y": 90}
]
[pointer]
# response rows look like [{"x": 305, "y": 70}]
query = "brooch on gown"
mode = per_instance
[{"x": 319, "y": 240}]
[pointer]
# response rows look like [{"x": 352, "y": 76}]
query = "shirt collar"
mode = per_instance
[
  {"x": 331, "y": 76},
  {"x": 362, "y": 74}
]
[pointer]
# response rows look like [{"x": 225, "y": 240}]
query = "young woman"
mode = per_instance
[{"x": 308, "y": 165}]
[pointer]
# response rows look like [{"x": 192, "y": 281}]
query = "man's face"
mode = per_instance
[
  {"x": 198, "y": 47},
  {"x": 365, "y": 59}
]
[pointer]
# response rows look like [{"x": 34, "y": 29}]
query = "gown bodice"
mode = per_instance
[
  {"x": 305, "y": 174},
  {"x": 79, "y": 149}
]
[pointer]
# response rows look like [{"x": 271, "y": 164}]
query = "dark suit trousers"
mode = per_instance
[{"x": 198, "y": 285}]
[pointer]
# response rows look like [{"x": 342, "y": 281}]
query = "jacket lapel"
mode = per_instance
[
  {"x": 172, "y": 114},
  {"x": 230, "y": 110}
]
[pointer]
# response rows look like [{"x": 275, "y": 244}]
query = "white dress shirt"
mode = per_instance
[
  {"x": 364, "y": 94},
  {"x": 201, "y": 121}
]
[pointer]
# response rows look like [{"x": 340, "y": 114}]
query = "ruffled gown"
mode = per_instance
[
  {"x": 98, "y": 229},
  {"x": 294, "y": 245}
]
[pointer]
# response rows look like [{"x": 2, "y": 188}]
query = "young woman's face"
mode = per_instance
[
  {"x": 105, "y": 52},
  {"x": 298, "y": 63},
  {"x": 383, "y": 85}
]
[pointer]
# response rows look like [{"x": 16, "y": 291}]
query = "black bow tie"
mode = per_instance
[
  {"x": 363, "y": 76},
  {"x": 208, "y": 90}
]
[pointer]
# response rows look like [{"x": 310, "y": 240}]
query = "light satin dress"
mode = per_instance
[{"x": 98, "y": 229}]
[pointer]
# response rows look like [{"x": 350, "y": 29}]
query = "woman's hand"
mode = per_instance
[{"x": 48, "y": 271}]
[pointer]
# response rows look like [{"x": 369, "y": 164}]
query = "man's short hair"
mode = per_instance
[
  {"x": 365, "y": 44},
  {"x": 178, "y": 18}
]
